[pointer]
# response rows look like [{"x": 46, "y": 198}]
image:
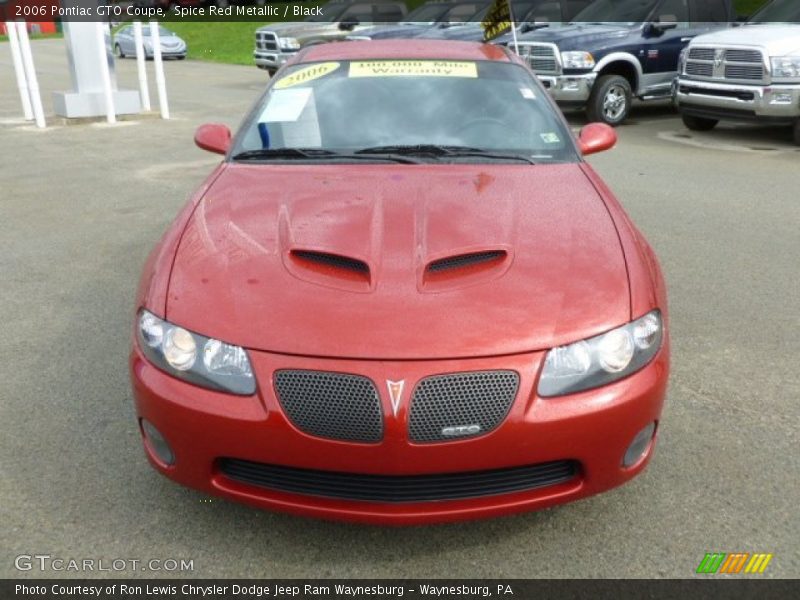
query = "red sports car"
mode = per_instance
[{"x": 403, "y": 297}]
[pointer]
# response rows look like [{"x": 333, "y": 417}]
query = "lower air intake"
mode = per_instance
[{"x": 399, "y": 488}]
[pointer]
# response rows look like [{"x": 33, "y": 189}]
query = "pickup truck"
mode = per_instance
[
  {"x": 277, "y": 43},
  {"x": 618, "y": 50},
  {"x": 750, "y": 73}
]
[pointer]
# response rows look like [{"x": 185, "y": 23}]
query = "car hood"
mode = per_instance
[
  {"x": 779, "y": 40},
  {"x": 300, "y": 29},
  {"x": 404, "y": 30},
  {"x": 579, "y": 36},
  {"x": 558, "y": 275}
]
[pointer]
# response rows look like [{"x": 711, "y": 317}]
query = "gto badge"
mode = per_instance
[
  {"x": 395, "y": 393},
  {"x": 459, "y": 430}
]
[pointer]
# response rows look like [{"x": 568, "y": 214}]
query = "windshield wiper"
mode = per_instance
[
  {"x": 314, "y": 154},
  {"x": 441, "y": 151}
]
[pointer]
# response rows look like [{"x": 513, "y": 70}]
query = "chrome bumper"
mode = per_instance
[
  {"x": 271, "y": 59},
  {"x": 740, "y": 101},
  {"x": 569, "y": 89}
]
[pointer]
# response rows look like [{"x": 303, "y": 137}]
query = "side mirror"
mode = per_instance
[
  {"x": 664, "y": 23},
  {"x": 596, "y": 137},
  {"x": 214, "y": 137},
  {"x": 349, "y": 24}
]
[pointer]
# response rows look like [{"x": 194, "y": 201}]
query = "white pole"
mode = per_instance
[
  {"x": 19, "y": 70},
  {"x": 513, "y": 27},
  {"x": 144, "y": 90},
  {"x": 105, "y": 75},
  {"x": 30, "y": 74},
  {"x": 155, "y": 40}
]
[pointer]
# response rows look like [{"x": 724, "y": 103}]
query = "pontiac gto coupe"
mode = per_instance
[{"x": 403, "y": 297}]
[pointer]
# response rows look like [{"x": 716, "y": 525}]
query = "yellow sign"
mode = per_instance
[
  {"x": 413, "y": 68},
  {"x": 497, "y": 20},
  {"x": 306, "y": 74}
]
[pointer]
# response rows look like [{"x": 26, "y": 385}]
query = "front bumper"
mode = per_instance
[
  {"x": 593, "y": 428},
  {"x": 271, "y": 59},
  {"x": 778, "y": 103},
  {"x": 569, "y": 89}
]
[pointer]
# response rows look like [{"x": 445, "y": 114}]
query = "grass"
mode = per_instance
[{"x": 225, "y": 42}]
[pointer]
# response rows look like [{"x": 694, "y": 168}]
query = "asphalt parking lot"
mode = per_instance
[{"x": 82, "y": 205}]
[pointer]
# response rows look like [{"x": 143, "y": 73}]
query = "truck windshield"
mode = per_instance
[
  {"x": 616, "y": 11},
  {"x": 778, "y": 11},
  {"x": 441, "y": 110}
]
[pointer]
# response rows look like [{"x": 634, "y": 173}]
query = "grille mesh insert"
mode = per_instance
[
  {"x": 399, "y": 488},
  {"x": 481, "y": 398},
  {"x": 337, "y": 406},
  {"x": 464, "y": 260}
]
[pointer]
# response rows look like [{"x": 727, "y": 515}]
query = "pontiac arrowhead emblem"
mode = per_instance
[{"x": 395, "y": 393}]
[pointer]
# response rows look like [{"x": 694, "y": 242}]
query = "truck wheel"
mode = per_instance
[
  {"x": 797, "y": 132},
  {"x": 610, "y": 100},
  {"x": 699, "y": 123}
]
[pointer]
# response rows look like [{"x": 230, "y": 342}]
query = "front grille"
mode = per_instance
[
  {"x": 465, "y": 260},
  {"x": 540, "y": 57},
  {"x": 755, "y": 72},
  {"x": 745, "y": 56},
  {"x": 447, "y": 407},
  {"x": 336, "y": 406},
  {"x": 701, "y": 69},
  {"x": 720, "y": 64},
  {"x": 266, "y": 41},
  {"x": 399, "y": 488}
]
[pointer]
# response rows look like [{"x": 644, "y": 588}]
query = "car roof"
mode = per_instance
[{"x": 404, "y": 49}]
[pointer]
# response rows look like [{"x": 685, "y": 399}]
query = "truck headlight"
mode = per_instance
[
  {"x": 682, "y": 61},
  {"x": 786, "y": 67},
  {"x": 601, "y": 359},
  {"x": 577, "y": 60},
  {"x": 195, "y": 358},
  {"x": 288, "y": 43}
]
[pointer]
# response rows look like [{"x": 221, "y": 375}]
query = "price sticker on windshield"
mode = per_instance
[{"x": 413, "y": 68}]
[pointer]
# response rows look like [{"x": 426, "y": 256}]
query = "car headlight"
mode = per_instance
[
  {"x": 786, "y": 67},
  {"x": 289, "y": 43},
  {"x": 192, "y": 357},
  {"x": 601, "y": 359},
  {"x": 577, "y": 60}
]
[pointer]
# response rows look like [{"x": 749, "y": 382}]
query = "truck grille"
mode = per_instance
[
  {"x": 336, "y": 406},
  {"x": 266, "y": 41},
  {"x": 459, "y": 405},
  {"x": 542, "y": 58},
  {"x": 399, "y": 488},
  {"x": 720, "y": 64}
]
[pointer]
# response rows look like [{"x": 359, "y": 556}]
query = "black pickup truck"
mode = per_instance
[{"x": 617, "y": 50}]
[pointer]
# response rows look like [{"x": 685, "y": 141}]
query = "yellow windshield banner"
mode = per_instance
[
  {"x": 413, "y": 68},
  {"x": 306, "y": 74},
  {"x": 497, "y": 20}
]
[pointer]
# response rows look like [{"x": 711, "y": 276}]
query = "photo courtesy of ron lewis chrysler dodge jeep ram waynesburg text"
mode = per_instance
[{"x": 750, "y": 73}]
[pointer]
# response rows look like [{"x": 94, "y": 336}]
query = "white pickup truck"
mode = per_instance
[{"x": 747, "y": 73}]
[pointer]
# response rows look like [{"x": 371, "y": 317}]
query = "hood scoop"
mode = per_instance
[
  {"x": 462, "y": 261},
  {"x": 463, "y": 269},
  {"x": 328, "y": 268}
]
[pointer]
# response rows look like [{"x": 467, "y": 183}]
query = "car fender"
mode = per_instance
[
  {"x": 621, "y": 57},
  {"x": 154, "y": 282}
]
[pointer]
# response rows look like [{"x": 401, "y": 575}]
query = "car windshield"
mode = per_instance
[
  {"x": 616, "y": 11},
  {"x": 434, "y": 109},
  {"x": 778, "y": 11}
]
